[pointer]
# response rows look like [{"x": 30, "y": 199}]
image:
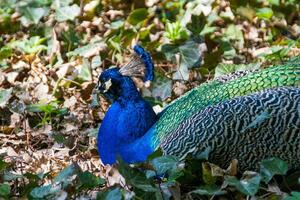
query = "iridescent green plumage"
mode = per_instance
[{"x": 216, "y": 91}]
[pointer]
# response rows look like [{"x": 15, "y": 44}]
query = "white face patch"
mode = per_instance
[{"x": 107, "y": 85}]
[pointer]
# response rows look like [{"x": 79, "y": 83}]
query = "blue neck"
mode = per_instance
[{"x": 125, "y": 123}]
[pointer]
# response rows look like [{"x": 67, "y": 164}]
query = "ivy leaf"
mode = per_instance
[
  {"x": 65, "y": 176},
  {"x": 161, "y": 87},
  {"x": 271, "y": 167},
  {"x": 207, "y": 175},
  {"x": 137, "y": 16},
  {"x": 274, "y": 2},
  {"x": 196, "y": 24},
  {"x": 61, "y": 3},
  {"x": 87, "y": 50},
  {"x": 5, "y": 95},
  {"x": 247, "y": 185},
  {"x": 89, "y": 180},
  {"x": 234, "y": 33},
  {"x": 85, "y": 71},
  {"x": 32, "y": 15},
  {"x": 209, "y": 190},
  {"x": 5, "y": 52},
  {"x": 43, "y": 192},
  {"x": 3, "y": 165},
  {"x": 294, "y": 196},
  {"x": 135, "y": 178},
  {"x": 169, "y": 50},
  {"x": 224, "y": 69},
  {"x": 4, "y": 190},
  {"x": 264, "y": 13},
  {"x": 164, "y": 163},
  {"x": 113, "y": 194},
  {"x": 190, "y": 54},
  {"x": 30, "y": 46},
  {"x": 67, "y": 13}
]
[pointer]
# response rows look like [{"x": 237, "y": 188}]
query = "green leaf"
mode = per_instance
[
  {"x": 207, "y": 175},
  {"x": 84, "y": 71},
  {"x": 246, "y": 12},
  {"x": 43, "y": 192},
  {"x": 209, "y": 190},
  {"x": 113, "y": 194},
  {"x": 264, "y": 13},
  {"x": 175, "y": 32},
  {"x": 170, "y": 50},
  {"x": 67, "y": 13},
  {"x": 274, "y": 2},
  {"x": 204, "y": 155},
  {"x": 190, "y": 54},
  {"x": 87, "y": 50},
  {"x": 116, "y": 24},
  {"x": 89, "y": 181},
  {"x": 208, "y": 30},
  {"x": 137, "y": 16},
  {"x": 3, "y": 165},
  {"x": 161, "y": 87},
  {"x": 65, "y": 176},
  {"x": 5, "y": 52},
  {"x": 96, "y": 62},
  {"x": 234, "y": 33},
  {"x": 271, "y": 167},
  {"x": 197, "y": 24},
  {"x": 182, "y": 73},
  {"x": 31, "y": 46},
  {"x": 164, "y": 163},
  {"x": 9, "y": 176},
  {"x": 294, "y": 196},
  {"x": 5, "y": 95},
  {"x": 189, "y": 57},
  {"x": 155, "y": 154},
  {"x": 135, "y": 178},
  {"x": 248, "y": 185},
  {"x": 61, "y": 3},
  {"x": 32, "y": 15},
  {"x": 4, "y": 190},
  {"x": 225, "y": 69}
]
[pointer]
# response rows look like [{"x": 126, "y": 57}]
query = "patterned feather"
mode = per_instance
[
  {"x": 217, "y": 91},
  {"x": 249, "y": 128}
]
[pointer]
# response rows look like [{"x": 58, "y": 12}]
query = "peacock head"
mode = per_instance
[
  {"x": 112, "y": 81},
  {"x": 109, "y": 83}
]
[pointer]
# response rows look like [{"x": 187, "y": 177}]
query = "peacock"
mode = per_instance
[{"x": 248, "y": 116}]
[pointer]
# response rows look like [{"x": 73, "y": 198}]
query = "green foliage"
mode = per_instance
[
  {"x": 209, "y": 190},
  {"x": 4, "y": 190},
  {"x": 67, "y": 13},
  {"x": 5, "y": 52},
  {"x": 49, "y": 111},
  {"x": 137, "y": 16},
  {"x": 248, "y": 185},
  {"x": 175, "y": 32},
  {"x": 5, "y": 95},
  {"x": 294, "y": 196},
  {"x": 271, "y": 167},
  {"x": 31, "y": 46}
]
